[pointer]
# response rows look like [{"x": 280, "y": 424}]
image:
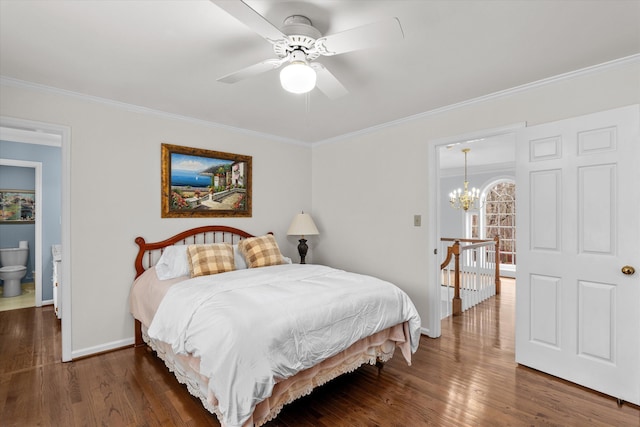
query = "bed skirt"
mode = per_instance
[{"x": 377, "y": 347}]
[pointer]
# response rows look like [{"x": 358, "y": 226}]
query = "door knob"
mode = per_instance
[{"x": 627, "y": 269}]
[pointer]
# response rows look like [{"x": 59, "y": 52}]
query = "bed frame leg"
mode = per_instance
[
  {"x": 379, "y": 365},
  {"x": 139, "y": 342}
]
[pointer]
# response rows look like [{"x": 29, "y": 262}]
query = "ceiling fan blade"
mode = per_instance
[
  {"x": 327, "y": 82},
  {"x": 366, "y": 36},
  {"x": 252, "y": 70},
  {"x": 252, "y": 19}
]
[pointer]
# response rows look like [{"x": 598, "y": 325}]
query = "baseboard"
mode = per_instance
[{"x": 102, "y": 348}]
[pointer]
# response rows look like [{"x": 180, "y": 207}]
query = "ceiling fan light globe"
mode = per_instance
[{"x": 298, "y": 77}]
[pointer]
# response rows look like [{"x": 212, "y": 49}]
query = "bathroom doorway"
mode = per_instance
[
  {"x": 24, "y": 175},
  {"x": 29, "y": 135}
]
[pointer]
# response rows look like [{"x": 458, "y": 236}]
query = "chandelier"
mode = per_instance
[{"x": 464, "y": 199}]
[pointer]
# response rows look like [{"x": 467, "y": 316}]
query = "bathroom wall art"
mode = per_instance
[
  {"x": 17, "y": 206},
  {"x": 204, "y": 183}
]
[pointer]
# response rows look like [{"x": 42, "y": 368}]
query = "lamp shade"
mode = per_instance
[
  {"x": 298, "y": 77},
  {"x": 302, "y": 225}
]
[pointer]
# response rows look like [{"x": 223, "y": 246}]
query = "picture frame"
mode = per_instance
[
  {"x": 199, "y": 183},
  {"x": 17, "y": 206}
]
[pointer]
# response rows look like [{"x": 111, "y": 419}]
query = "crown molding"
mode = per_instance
[
  {"x": 620, "y": 62},
  {"x": 12, "y": 82},
  {"x": 632, "y": 59}
]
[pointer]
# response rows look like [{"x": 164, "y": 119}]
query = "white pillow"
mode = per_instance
[
  {"x": 173, "y": 262},
  {"x": 238, "y": 259}
]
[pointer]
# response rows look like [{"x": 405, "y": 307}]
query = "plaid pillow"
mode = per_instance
[
  {"x": 206, "y": 259},
  {"x": 260, "y": 251}
]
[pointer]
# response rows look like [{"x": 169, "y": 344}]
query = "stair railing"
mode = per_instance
[{"x": 476, "y": 271}]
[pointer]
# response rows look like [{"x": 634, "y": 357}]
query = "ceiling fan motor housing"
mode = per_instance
[{"x": 301, "y": 36}]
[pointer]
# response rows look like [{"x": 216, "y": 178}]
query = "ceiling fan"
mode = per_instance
[{"x": 299, "y": 43}]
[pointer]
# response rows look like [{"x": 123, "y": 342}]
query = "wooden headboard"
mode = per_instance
[{"x": 149, "y": 253}]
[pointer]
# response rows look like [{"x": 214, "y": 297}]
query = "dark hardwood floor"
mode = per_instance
[{"x": 467, "y": 377}]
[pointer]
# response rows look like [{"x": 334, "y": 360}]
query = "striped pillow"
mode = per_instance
[
  {"x": 260, "y": 251},
  {"x": 206, "y": 259}
]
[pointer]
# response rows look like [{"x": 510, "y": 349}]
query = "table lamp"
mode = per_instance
[{"x": 302, "y": 225}]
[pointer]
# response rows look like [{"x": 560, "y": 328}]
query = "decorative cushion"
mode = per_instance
[
  {"x": 260, "y": 251},
  {"x": 206, "y": 259}
]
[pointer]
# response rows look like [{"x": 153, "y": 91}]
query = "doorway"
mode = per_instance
[
  {"x": 28, "y": 131},
  {"x": 492, "y": 156}
]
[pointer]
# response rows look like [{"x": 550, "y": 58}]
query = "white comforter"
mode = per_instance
[{"x": 253, "y": 327}]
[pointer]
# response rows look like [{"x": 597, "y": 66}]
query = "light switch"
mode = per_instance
[{"x": 417, "y": 220}]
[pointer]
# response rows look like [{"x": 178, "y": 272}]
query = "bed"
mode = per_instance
[{"x": 248, "y": 331}]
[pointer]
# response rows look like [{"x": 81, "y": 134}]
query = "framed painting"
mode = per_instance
[
  {"x": 204, "y": 183},
  {"x": 17, "y": 206}
]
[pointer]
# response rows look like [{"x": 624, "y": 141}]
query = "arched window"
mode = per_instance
[{"x": 499, "y": 218}]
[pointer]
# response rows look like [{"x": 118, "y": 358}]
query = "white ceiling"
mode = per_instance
[{"x": 166, "y": 55}]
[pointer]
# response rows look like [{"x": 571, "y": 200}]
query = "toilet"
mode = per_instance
[{"x": 13, "y": 267}]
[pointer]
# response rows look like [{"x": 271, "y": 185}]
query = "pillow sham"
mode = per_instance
[
  {"x": 207, "y": 259},
  {"x": 173, "y": 263},
  {"x": 260, "y": 251},
  {"x": 238, "y": 259}
]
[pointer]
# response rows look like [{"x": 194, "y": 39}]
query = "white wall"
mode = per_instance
[
  {"x": 364, "y": 208},
  {"x": 115, "y": 197},
  {"x": 365, "y": 188}
]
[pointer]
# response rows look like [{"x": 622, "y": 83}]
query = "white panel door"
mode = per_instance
[{"x": 578, "y": 203}]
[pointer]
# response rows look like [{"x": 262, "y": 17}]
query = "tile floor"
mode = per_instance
[{"x": 26, "y": 299}]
